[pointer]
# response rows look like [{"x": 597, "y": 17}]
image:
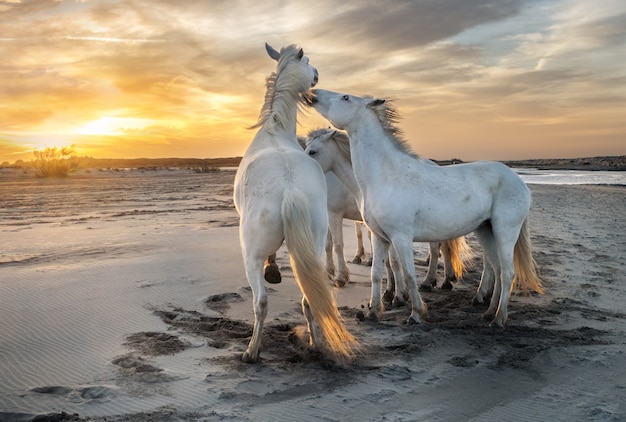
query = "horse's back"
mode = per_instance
[{"x": 264, "y": 176}]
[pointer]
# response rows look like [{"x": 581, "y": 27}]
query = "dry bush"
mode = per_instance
[{"x": 55, "y": 161}]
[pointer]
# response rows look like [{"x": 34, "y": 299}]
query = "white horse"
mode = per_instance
[
  {"x": 341, "y": 204},
  {"x": 280, "y": 194},
  {"x": 331, "y": 149},
  {"x": 406, "y": 200}
]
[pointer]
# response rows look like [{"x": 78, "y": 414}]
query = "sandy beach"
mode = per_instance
[{"x": 123, "y": 298}]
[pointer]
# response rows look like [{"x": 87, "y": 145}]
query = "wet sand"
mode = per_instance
[{"x": 123, "y": 298}]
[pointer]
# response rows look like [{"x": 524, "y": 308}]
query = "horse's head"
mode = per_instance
[
  {"x": 316, "y": 147},
  {"x": 296, "y": 55},
  {"x": 330, "y": 148},
  {"x": 341, "y": 109}
]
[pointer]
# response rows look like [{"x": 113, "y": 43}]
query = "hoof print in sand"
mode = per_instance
[{"x": 222, "y": 301}]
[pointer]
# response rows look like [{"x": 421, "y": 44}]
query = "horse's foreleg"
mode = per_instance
[
  {"x": 359, "y": 256},
  {"x": 328, "y": 251},
  {"x": 336, "y": 228},
  {"x": 448, "y": 270},
  {"x": 487, "y": 280},
  {"x": 431, "y": 276},
  {"x": 390, "y": 288},
  {"x": 403, "y": 248},
  {"x": 380, "y": 253},
  {"x": 401, "y": 293},
  {"x": 368, "y": 262}
]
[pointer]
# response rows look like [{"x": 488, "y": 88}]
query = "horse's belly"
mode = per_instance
[{"x": 447, "y": 224}]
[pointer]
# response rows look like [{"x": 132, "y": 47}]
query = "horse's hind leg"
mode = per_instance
[
  {"x": 403, "y": 248},
  {"x": 259, "y": 298},
  {"x": 430, "y": 281},
  {"x": 314, "y": 329},
  {"x": 271, "y": 273},
  {"x": 490, "y": 279},
  {"x": 506, "y": 246}
]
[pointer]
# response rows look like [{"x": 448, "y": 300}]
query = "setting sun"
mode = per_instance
[{"x": 110, "y": 125}]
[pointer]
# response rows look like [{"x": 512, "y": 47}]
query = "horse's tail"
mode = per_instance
[
  {"x": 311, "y": 275},
  {"x": 461, "y": 255},
  {"x": 525, "y": 266}
]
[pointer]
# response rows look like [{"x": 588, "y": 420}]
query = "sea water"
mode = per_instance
[{"x": 572, "y": 177}]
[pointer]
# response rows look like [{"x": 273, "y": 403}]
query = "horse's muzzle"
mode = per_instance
[{"x": 309, "y": 98}]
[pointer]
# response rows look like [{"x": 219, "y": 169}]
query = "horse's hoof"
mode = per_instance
[
  {"x": 426, "y": 287},
  {"x": 372, "y": 316},
  {"x": 356, "y": 260},
  {"x": 447, "y": 285},
  {"x": 496, "y": 327},
  {"x": 271, "y": 273},
  {"x": 387, "y": 303},
  {"x": 414, "y": 319},
  {"x": 398, "y": 302},
  {"x": 489, "y": 316},
  {"x": 249, "y": 357},
  {"x": 368, "y": 263},
  {"x": 340, "y": 283},
  {"x": 476, "y": 302}
]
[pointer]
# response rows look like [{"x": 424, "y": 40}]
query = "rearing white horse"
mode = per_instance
[
  {"x": 406, "y": 200},
  {"x": 280, "y": 194}
]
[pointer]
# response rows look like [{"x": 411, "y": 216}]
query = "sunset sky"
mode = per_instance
[{"x": 472, "y": 79}]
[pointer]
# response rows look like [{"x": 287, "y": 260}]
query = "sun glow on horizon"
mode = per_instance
[{"x": 115, "y": 126}]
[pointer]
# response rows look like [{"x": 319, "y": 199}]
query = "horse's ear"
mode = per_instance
[
  {"x": 300, "y": 54},
  {"x": 273, "y": 53},
  {"x": 329, "y": 134},
  {"x": 377, "y": 102}
]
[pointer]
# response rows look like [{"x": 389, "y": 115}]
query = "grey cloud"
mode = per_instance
[
  {"x": 406, "y": 24},
  {"x": 607, "y": 32}
]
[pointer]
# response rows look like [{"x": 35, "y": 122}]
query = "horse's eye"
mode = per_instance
[
  {"x": 346, "y": 98},
  {"x": 312, "y": 153}
]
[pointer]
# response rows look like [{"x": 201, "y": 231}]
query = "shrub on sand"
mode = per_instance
[{"x": 55, "y": 162}]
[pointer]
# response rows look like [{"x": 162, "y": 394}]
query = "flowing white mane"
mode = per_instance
[
  {"x": 388, "y": 116},
  {"x": 281, "y": 90}
]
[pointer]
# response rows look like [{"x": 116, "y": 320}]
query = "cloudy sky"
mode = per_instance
[{"x": 472, "y": 79}]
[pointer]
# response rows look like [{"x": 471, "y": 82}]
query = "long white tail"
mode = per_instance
[
  {"x": 525, "y": 266},
  {"x": 311, "y": 275}
]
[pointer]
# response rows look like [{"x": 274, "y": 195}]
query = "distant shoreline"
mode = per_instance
[{"x": 602, "y": 163}]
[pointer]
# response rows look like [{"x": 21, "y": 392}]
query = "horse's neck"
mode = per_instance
[
  {"x": 342, "y": 167},
  {"x": 374, "y": 159}
]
